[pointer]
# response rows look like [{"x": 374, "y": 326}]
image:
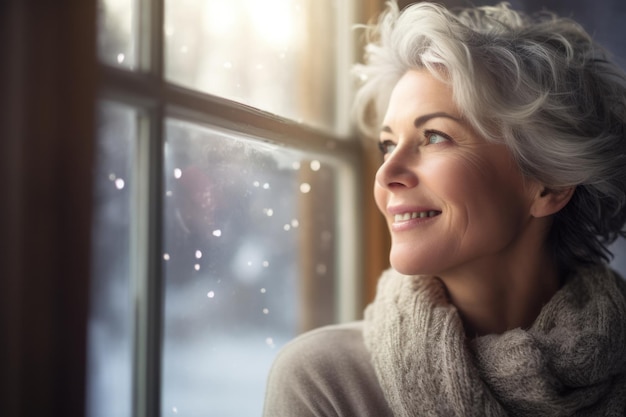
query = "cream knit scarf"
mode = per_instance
[{"x": 572, "y": 361}]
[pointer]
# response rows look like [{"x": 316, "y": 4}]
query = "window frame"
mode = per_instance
[
  {"x": 46, "y": 155},
  {"x": 147, "y": 90}
]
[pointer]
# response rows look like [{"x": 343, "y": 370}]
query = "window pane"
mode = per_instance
[
  {"x": 110, "y": 321},
  {"x": 249, "y": 263},
  {"x": 117, "y": 32},
  {"x": 276, "y": 55}
]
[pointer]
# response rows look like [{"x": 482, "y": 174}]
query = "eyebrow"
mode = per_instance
[{"x": 423, "y": 119}]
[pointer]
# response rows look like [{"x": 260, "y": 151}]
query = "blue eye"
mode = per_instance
[
  {"x": 386, "y": 146},
  {"x": 436, "y": 137}
]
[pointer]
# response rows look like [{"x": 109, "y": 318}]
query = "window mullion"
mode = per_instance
[
  {"x": 147, "y": 91},
  {"x": 151, "y": 47},
  {"x": 148, "y": 273},
  {"x": 148, "y": 219}
]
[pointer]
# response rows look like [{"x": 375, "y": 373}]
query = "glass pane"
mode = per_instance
[
  {"x": 117, "y": 32},
  {"x": 110, "y": 348},
  {"x": 249, "y": 263},
  {"x": 276, "y": 55}
]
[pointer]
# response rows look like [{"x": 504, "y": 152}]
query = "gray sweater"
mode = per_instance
[
  {"x": 326, "y": 372},
  {"x": 410, "y": 357}
]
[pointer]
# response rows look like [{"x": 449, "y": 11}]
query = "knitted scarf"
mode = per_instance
[{"x": 571, "y": 362}]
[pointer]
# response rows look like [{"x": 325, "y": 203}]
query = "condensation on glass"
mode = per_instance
[
  {"x": 118, "y": 28},
  {"x": 248, "y": 262},
  {"x": 276, "y": 55},
  {"x": 110, "y": 338}
]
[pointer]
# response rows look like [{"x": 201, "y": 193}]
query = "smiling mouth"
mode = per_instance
[{"x": 415, "y": 215}]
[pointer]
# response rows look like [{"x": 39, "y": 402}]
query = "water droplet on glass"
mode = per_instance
[
  {"x": 112, "y": 177},
  {"x": 265, "y": 264},
  {"x": 178, "y": 173},
  {"x": 166, "y": 256},
  {"x": 269, "y": 212},
  {"x": 210, "y": 294},
  {"x": 120, "y": 58},
  {"x": 256, "y": 183},
  {"x": 168, "y": 193},
  {"x": 296, "y": 165},
  {"x": 266, "y": 311},
  {"x": 175, "y": 410},
  {"x": 119, "y": 183},
  {"x": 321, "y": 269},
  {"x": 270, "y": 342},
  {"x": 249, "y": 263},
  {"x": 287, "y": 227},
  {"x": 196, "y": 267},
  {"x": 295, "y": 223},
  {"x": 217, "y": 233},
  {"x": 263, "y": 290},
  {"x": 266, "y": 186},
  {"x": 305, "y": 187},
  {"x": 315, "y": 165},
  {"x": 198, "y": 254}
]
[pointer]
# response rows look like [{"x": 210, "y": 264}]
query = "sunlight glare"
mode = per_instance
[
  {"x": 221, "y": 17},
  {"x": 273, "y": 20}
]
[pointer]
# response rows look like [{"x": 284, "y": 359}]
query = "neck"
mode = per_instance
[{"x": 500, "y": 294}]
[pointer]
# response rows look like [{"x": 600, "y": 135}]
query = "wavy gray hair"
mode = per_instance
[{"x": 538, "y": 84}]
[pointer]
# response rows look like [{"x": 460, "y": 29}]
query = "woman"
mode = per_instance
[{"x": 503, "y": 182}]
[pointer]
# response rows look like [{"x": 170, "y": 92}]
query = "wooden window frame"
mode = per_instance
[{"x": 49, "y": 85}]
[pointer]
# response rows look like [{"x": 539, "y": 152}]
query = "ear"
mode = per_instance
[{"x": 548, "y": 201}]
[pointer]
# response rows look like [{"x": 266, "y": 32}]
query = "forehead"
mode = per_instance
[{"x": 419, "y": 92}]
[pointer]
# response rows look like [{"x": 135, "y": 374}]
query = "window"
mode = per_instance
[{"x": 225, "y": 219}]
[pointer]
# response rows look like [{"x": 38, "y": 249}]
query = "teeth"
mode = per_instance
[{"x": 415, "y": 215}]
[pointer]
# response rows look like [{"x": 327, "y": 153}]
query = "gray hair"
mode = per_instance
[{"x": 539, "y": 84}]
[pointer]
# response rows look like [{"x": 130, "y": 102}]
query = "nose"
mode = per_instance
[{"x": 398, "y": 170}]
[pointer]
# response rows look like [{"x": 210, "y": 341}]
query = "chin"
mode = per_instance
[
  {"x": 412, "y": 259},
  {"x": 409, "y": 264},
  {"x": 405, "y": 268}
]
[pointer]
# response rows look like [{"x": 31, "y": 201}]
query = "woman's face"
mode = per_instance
[{"x": 450, "y": 198}]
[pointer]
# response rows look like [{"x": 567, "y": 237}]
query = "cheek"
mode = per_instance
[
  {"x": 471, "y": 192},
  {"x": 454, "y": 179},
  {"x": 490, "y": 197}
]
